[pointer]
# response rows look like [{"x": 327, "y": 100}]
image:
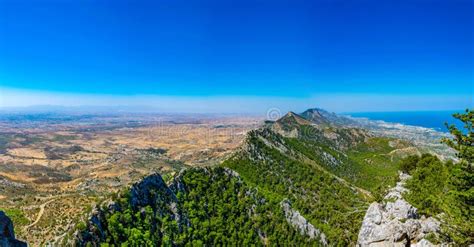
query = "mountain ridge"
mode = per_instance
[
  {"x": 283, "y": 175},
  {"x": 317, "y": 179}
]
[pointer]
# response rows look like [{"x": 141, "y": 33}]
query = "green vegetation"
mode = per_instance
[
  {"x": 373, "y": 167},
  {"x": 64, "y": 138},
  {"x": 428, "y": 185},
  {"x": 328, "y": 203},
  {"x": 16, "y": 215},
  {"x": 368, "y": 164},
  {"x": 323, "y": 173},
  {"x": 210, "y": 208},
  {"x": 4, "y": 141},
  {"x": 445, "y": 189},
  {"x": 23, "y": 139}
]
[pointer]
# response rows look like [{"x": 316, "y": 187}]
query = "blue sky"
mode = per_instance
[{"x": 292, "y": 52}]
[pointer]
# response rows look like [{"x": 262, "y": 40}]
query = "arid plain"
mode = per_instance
[{"x": 55, "y": 167}]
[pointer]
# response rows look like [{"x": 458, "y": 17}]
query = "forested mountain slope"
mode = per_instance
[
  {"x": 296, "y": 181},
  {"x": 368, "y": 161},
  {"x": 328, "y": 202},
  {"x": 199, "y": 207}
]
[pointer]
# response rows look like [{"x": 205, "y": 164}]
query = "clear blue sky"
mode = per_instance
[{"x": 289, "y": 49}]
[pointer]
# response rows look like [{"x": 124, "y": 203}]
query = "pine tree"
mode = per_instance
[
  {"x": 462, "y": 178},
  {"x": 463, "y": 143}
]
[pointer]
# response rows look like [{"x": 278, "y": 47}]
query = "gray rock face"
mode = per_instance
[
  {"x": 400, "y": 209},
  {"x": 144, "y": 193},
  {"x": 423, "y": 243},
  {"x": 395, "y": 222},
  {"x": 7, "y": 233},
  {"x": 151, "y": 190},
  {"x": 299, "y": 222}
]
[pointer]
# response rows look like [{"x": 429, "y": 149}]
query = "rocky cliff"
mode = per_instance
[
  {"x": 395, "y": 222},
  {"x": 7, "y": 233},
  {"x": 152, "y": 191}
]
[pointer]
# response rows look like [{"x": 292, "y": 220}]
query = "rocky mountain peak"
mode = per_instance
[
  {"x": 149, "y": 191},
  {"x": 316, "y": 116},
  {"x": 290, "y": 121},
  {"x": 322, "y": 117},
  {"x": 291, "y": 116}
]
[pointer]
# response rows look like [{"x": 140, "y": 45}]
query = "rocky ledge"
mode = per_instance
[
  {"x": 302, "y": 224},
  {"x": 395, "y": 222}
]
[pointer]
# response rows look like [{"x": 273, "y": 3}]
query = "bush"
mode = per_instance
[{"x": 409, "y": 163}]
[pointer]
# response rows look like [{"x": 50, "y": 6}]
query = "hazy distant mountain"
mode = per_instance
[
  {"x": 317, "y": 116},
  {"x": 85, "y": 109},
  {"x": 320, "y": 116}
]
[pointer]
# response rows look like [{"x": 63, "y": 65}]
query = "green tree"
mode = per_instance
[
  {"x": 462, "y": 179},
  {"x": 463, "y": 143},
  {"x": 408, "y": 164}
]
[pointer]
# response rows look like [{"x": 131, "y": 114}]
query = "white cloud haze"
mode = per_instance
[{"x": 238, "y": 104}]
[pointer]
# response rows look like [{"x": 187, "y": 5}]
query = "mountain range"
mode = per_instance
[{"x": 305, "y": 179}]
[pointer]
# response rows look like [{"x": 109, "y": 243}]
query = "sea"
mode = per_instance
[{"x": 429, "y": 119}]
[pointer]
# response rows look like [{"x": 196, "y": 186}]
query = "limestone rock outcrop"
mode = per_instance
[
  {"x": 152, "y": 190},
  {"x": 302, "y": 224},
  {"x": 395, "y": 222}
]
